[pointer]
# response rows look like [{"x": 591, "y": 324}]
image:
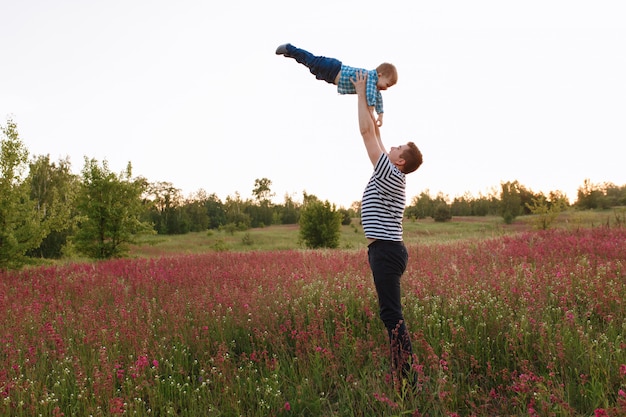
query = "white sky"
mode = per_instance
[{"x": 192, "y": 93}]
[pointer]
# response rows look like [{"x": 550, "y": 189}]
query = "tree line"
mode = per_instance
[{"x": 46, "y": 211}]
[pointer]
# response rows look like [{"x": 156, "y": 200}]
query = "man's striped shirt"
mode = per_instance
[{"x": 384, "y": 198}]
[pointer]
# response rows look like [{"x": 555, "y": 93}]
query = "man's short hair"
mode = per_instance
[{"x": 412, "y": 158}]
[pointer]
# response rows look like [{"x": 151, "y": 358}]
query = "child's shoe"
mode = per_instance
[{"x": 282, "y": 50}]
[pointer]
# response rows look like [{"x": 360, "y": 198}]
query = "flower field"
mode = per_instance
[{"x": 529, "y": 324}]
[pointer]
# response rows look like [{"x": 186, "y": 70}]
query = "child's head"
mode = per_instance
[{"x": 387, "y": 76}]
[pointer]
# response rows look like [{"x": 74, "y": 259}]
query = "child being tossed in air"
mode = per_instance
[{"x": 333, "y": 71}]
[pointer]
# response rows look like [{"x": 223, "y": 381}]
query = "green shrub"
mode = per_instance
[
  {"x": 442, "y": 213},
  {"x": 320, "y": 225}
]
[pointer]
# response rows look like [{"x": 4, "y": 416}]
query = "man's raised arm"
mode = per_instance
[{"x": 369, "y": 130}]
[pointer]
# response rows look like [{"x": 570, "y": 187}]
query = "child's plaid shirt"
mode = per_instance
[{"x": 345, "y": 86}]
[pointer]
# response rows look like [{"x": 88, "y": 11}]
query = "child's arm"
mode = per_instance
[{"x": 379, "y": 108}]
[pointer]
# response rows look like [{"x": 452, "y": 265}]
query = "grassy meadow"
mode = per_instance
[
  {"x": 505, "y": 320},
  {"x": 424, "y": 231}
]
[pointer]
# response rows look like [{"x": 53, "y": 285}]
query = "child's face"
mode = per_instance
[{"x": 384, "y": 82}]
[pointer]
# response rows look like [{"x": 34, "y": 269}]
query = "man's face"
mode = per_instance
[{"x": 395, "y": 153}]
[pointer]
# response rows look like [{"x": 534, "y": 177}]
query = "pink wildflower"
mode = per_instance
[
  {"x": 384, "y": 399},
  {"x": 287, "y": 406},
  {"x": 116, "y": 405},
  {"x": 119, "y": 371},
  {"x": 141, "y": 363}
]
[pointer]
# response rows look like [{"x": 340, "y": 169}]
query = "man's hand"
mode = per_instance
[{"x": 359, "y": 82}]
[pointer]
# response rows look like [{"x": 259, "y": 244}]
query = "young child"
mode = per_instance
[{"x": 333, "y": 71}]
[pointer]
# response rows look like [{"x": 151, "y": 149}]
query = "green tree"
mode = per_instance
[
  {"x": 215, "y": 210},
  {"x": 262, "y": 191},
  {"x": 320, "y": 224},
  {"x": 589, "y": 195},
  {"x": 356, "y": 208},
  {"x": 619, "y": 195},
  {"x": 20, "y": 222},
  {"x": 346, "y": 216},
  {"x": 289, "y": 211},
  {"x": 510, "y": 201},
  {"x": 461, "y": 206},
  {"x": 236, "y": 216},
  {"x": 165, "y": 203},
  {"x": 545, "y": 211},
  {"x": 615, "y": 196},
  {"x": 196, "y": 212},
  {"x": 526, "y": 197},
  {"x": 484, "y": 205},
  {"x": 110, "y": 207},
  {"x": 422, "y": 206},
  {"x": 262, "y": 213},
  {"x": 53, "y": 189}
]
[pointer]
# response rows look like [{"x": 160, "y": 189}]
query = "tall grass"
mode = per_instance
[{"x": 525, "y": 324}]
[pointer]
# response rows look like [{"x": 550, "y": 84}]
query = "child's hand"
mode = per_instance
[{"x": 379, "y": 121}]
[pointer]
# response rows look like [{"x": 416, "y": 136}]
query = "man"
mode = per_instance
[{"x": 382, "y": 212}]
